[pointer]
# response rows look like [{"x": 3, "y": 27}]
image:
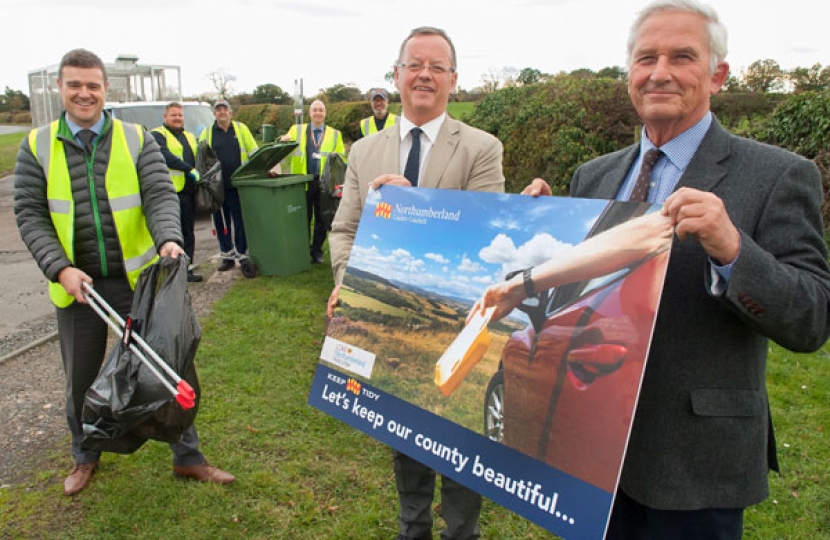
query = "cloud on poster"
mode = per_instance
[{"x": 541, "y": 247}]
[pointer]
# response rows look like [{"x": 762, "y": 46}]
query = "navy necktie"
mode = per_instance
[
  {"x": 641, "y": 186},
  {"x": 413, "y": 162}
]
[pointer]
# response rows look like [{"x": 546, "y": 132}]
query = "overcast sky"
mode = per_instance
[{"x": 328, "y": 42}]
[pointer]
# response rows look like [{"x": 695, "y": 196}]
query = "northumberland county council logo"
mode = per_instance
[
  {"x": 353, "y": 386},
  {"x": 383, "y": 210}
]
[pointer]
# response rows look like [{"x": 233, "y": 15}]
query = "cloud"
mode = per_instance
[
  {"x": 469, "y": 266},
  {"x": 436, "y": 258},
  {"x": 540, "y": 248}
]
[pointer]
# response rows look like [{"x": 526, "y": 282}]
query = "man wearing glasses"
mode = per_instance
[{"x": 425, "y": 149}]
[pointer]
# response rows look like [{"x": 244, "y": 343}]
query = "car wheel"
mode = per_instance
[{"x": 494, "y": 407}]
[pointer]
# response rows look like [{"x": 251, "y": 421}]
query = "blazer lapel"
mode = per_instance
[
  {"x": 613, "y": 178},
  {"x": 706, "y": 168},
  {"x": 440, "y": 154},
  {"x": 390, "y": 151}
]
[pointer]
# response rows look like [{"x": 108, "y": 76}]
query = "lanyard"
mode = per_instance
[{"x": 316, "y": 142}]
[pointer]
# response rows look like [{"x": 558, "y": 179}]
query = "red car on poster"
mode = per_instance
[{"x": 567, "y": 384}]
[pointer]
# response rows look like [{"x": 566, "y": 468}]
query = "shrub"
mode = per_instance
[
  {"x": 549, "y": 129},
  {"x": 735, "y": 109},
  {"x": 801, "y": 124}
]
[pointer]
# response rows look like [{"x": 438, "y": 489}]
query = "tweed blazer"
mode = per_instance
[
  {"x": 462, "y": 157},
  {"x": 702, "y": 435}
]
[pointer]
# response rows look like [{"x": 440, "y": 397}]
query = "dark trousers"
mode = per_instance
[
  {"x": 230, "y": 229},
  {"x": 315, "y": 210},
  {"x": 631, "y": 520},
  {"x": 460, "y": 506},
  {"x": 187, "y": 213},
  {"x": 83, "y": 340}
]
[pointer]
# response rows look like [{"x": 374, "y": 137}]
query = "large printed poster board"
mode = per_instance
[{"x": 533, "y": 410}]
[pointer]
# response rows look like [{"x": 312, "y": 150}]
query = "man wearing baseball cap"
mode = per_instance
[
  {"x": 381, "y": 118},
  {"x": 233, "y": 143}
]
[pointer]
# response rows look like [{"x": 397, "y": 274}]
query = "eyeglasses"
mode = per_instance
[{"x": 416, "y": 67}]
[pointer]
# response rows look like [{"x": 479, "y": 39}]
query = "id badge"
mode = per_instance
[{"x": 316, "y": 155}]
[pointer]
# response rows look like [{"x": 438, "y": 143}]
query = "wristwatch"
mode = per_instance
[{"x": 530, "y": 290}]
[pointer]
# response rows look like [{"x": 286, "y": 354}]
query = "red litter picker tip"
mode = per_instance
[{"x": 182, "y": 391}]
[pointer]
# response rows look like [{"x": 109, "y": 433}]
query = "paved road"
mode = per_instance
[
  {"x": 13, "y": 129},
  {"x": 26, "y": 313}
]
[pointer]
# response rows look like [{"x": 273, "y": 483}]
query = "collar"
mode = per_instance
[
  {"x": 74, "y": 128},
  {"x": 172, "y": 130},
  {"x": 682, "y": 148},
  {"x": 430, "y": 129}
]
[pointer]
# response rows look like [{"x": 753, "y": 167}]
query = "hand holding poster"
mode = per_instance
[{"x": 537, "y": 419}]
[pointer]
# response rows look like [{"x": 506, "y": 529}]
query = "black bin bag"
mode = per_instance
[
  {"x": 129, "y": 404},
  {"x": 210, "y": 191},
  {"x": 331, "y": 187}
]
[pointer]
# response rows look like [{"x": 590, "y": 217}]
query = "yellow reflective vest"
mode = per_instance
[
  {"x": 332, "y": 143},
  {"x": 247, "y": 143},
  {"x": 368, "y": 125},
  {"x": 176, "y": 148},
  {"x": 123, "y": 192}
]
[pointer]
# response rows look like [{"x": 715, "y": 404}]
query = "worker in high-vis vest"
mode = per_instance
[
  {"x": 317, "y": 142},
  {"x": 381, "y": 117},
  {"x": 233, "y": 143},
  {"x": 95, "y": 204},
  {"x": 178, "y": 147}
]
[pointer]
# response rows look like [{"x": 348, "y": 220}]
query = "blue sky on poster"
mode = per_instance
[
  {"x": 327, "y": 42},
  {"x": 457, "y": 259}
]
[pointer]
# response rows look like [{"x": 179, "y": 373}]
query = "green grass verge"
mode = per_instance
[
  {"x": 9, "y": 144},
  {"x": 304, "y": 475}
]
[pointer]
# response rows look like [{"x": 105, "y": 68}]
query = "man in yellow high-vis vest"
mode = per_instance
[
  {"x": 317, "y": 142},
  {"x": 178, "y": 147},
  {"x": 381, "y": 117},
  {"x": 94, "y": 202},
  {"x": 234, "y": 145}
]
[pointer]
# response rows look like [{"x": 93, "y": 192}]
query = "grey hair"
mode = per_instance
[
  {"x": 430, "y": 31},
  {"x": 718, "y": 36}
]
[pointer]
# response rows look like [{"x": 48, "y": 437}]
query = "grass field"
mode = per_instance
[
  {"x": 8, "y": 151},
  {"x": 305, "y": 475}
]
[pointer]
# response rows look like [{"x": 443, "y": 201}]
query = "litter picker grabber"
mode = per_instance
[{"x": 182, "y": 391}]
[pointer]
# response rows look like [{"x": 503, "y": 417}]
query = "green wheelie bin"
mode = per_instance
[{"x": 274, "y": 212}]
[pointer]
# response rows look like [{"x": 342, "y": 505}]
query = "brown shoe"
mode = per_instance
[
  {"x": 79, "y": 478},
  {"x": 204, "y": 472}
]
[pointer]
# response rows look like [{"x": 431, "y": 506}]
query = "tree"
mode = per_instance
[
  {"x": 613, "y": 72},
  {"x": 529, "y": 76},
  {"x": 734, "y": 84},
  {"x": 810, "y": 79},
  {"x": 583, "y": 73},
  {"x": 270, "y": 93},
  {"x": 495, "y": 78},
  {"x": 764, "y": 76},
  {"x": 14, "y": 100},
  {"x": 342, "y": 92},
  {"x": 223, "y": 82}
]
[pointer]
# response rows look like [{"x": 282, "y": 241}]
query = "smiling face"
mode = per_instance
[
  {"x": 424, "y": 94},
  {"x": 223, "y": 115},
  {"x": 83, "y": 91},
  {"x": 669, "y": 79},
  {"x": 380, "y": 106},
  {"x": 174, "y": 117},
  {"x": 317, "y": 111}
]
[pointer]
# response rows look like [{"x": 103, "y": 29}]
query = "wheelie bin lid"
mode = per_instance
[{"x": 255, "y": 171}]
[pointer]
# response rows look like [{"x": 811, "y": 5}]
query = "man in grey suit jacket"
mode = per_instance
[
  {"x": 749, "y": 265},
  {"x": 452, "y": 156}
]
